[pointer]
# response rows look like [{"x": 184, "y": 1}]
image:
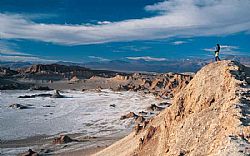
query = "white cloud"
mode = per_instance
[
  {"x": 225, "y": 49},
  {"x": 146, "y": 58},
  {"x": 178, "y": 42},
  {"x": 170, "y": 5},
  {"x": 8, "y": 48},
  {"x": 130, "y": 48},
  {"x": 11, "y": 58},
  {"x": 228, "y": 47},
  {"x": 9, "y": 52},
  {"x": 103, "y": 22},
  {"x": 177, "y": 18},
  {"x": 209, "y": 49},
  {"x": 97, "y": 58}
]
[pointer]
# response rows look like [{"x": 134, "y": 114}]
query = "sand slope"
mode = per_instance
[{"x": 210, "y": 116}]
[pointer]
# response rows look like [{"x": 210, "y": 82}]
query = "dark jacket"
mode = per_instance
[{"x": 217, "y": 48}]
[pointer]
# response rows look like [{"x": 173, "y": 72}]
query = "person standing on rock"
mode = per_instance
[{"x": 216, "y": 53}]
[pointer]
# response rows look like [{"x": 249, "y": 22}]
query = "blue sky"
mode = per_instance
[{"x": 103, "y": 30}]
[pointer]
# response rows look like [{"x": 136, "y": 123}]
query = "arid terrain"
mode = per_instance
[
  {"x": 210, "y": 116},
  {"x": 113, "y": 102},
  {"x": 202, "y": 114},
  {"x": 125, "y": 77}
]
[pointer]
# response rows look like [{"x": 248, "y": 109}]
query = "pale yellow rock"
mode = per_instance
[{"x": 210, "y": 116}]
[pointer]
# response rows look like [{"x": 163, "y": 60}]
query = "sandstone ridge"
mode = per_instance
[{"x": 210, "y": 116}]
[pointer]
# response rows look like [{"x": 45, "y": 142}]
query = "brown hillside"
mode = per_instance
[{"x": 210, "y": 116}]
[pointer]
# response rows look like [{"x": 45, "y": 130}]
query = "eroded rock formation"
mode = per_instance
[
  {"x": 161, "y": 85},
  {"x": 210, "y": 116}
]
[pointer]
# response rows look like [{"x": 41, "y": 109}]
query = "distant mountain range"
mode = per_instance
[{"x": 171, "y": 65}]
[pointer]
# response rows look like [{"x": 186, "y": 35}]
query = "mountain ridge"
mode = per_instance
[
  {"x": 169, "y": 65},
  {"x": 210, "y": 116}
]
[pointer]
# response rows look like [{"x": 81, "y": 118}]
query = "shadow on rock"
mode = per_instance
[
  {"x": 154, "y": 107},
  {"x": 63, "y": 139},
  {"x": 55, "y": 95},
  {"x": 19, "y": 106}
]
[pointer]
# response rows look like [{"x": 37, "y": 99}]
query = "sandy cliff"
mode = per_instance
[{"x": 210, "y": 116}]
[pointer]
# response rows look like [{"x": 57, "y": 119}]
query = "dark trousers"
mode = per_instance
[{"x": 217, "y": 58}]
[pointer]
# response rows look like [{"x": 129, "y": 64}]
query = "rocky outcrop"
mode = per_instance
[
  {"x": 161, "y": 85},
  {"x": 35, "y": 95},
  {"x": 122, "y": 77},
  {"x": 129, "y": 115},
  {"x": 51, "y": 68},
  {"x": 7, "y": 72},
  {"x": 55, "y": 95},
  {"x": 154, "y": 107},
  {"x": 19, "y": 106},
  {"x": 61, "y": 72},
  {"x": 210, "y": 116},
  {"x": 74, "y": 79},
  {"x": 137, "y": 118},
  {"x": 30, "y": 152},
  {"x": 63, "y": 139}
]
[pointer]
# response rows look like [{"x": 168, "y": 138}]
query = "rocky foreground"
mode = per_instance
[{"x": 210, "y": 116}]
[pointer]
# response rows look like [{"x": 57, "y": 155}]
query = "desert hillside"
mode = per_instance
[{"x": 210, "y": 116}]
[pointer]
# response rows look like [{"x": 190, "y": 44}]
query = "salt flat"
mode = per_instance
[{"x": 88, "y": 113}]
